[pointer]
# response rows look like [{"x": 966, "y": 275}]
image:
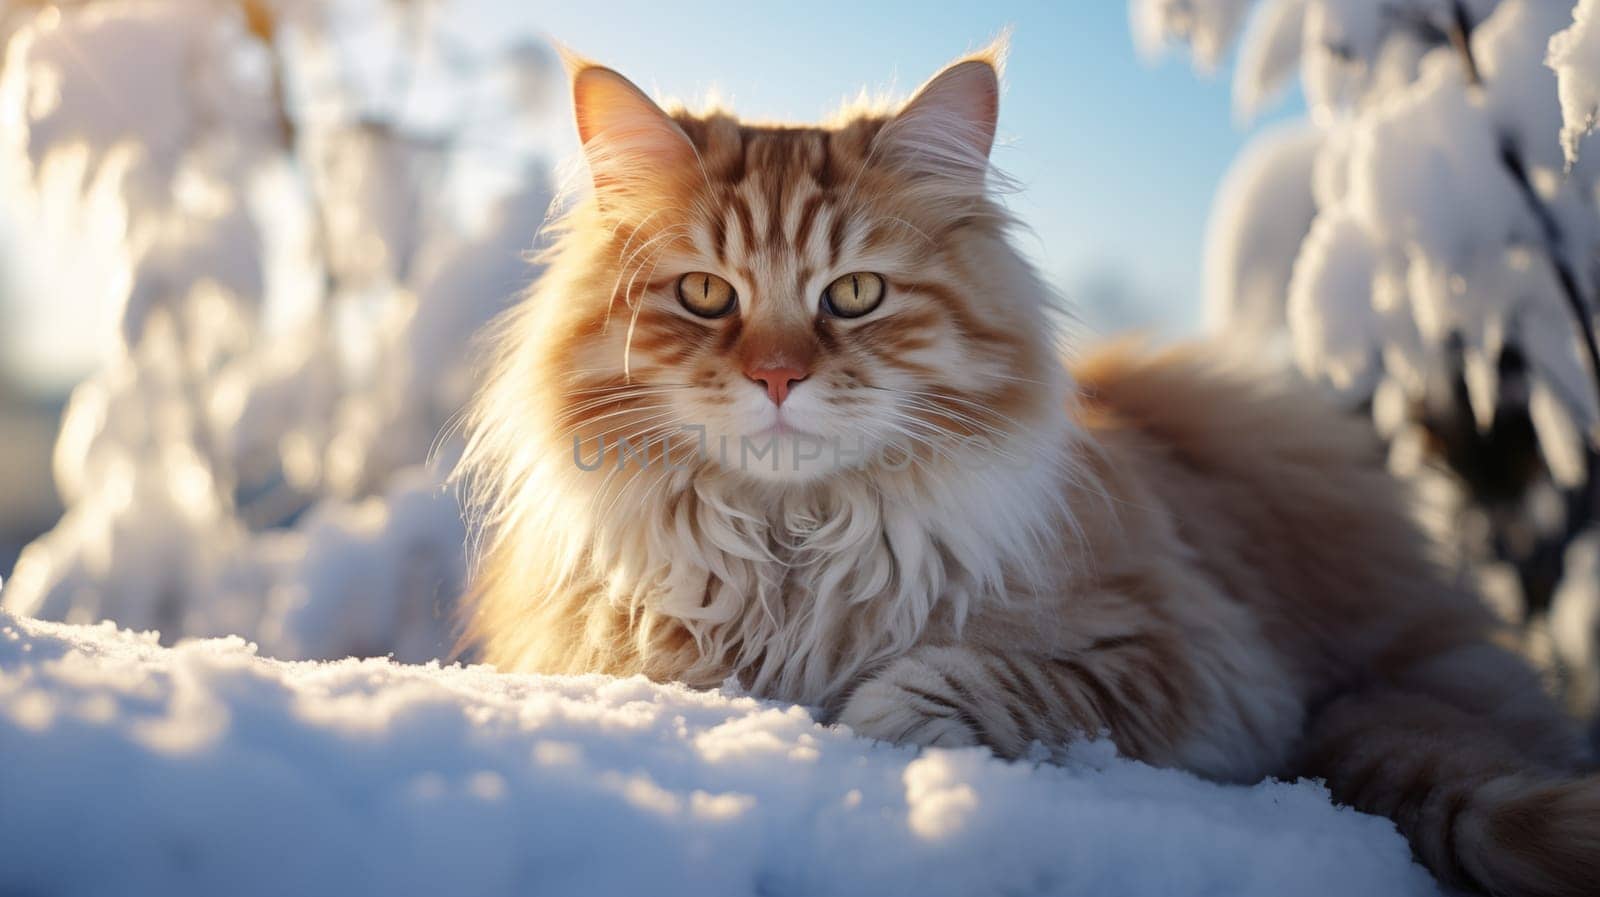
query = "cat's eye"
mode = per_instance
[
  {"x": 707, "y": 295},
  {"x": 853, "y": 295}
]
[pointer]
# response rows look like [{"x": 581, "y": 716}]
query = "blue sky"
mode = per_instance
[{"x": 1119, "y": 158}]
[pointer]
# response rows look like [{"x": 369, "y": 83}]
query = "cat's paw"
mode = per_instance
[{"x": 908, "y": 703}]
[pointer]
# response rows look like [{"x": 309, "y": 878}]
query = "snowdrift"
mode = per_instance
[{"x": 131, "y": 768}]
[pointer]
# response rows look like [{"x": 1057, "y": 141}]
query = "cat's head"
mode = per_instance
[{"x": 788, "y": 301}]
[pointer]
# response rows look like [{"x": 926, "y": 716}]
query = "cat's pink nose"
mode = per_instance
[{"x": 778, "y": 380}]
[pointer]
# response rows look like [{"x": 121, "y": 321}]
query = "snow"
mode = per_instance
[
  {"x": 1207, "y": 26},
  {"x": 1454, "y": 247},
  {"x": 1455, "y": 242},
  {"x": 206, "y": 769},
  {"x": 264, "y": 447},
  {"x": 73, "y": 69},
  {"x": 1521, "y": 89},
  {"x": 1575, "y": 621},
  {"x": 1263, "y": 211},
  {"x": 1268, "y": 53},
  {"x": 1333, "y": 324},
  {"x": 1575, "y": 57}
]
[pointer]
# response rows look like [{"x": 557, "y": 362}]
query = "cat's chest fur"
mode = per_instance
[{"x": 796, "y": 591}]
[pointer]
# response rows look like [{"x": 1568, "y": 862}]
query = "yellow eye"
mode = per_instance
[
  {"x": 853, "y": 295},
  {"x": 707, "y": 295}
]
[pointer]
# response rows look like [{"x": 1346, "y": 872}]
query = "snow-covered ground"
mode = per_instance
[{"x": 129, "y": 768}]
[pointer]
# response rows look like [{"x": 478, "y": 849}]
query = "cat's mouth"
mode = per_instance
[
  {"x": 780, "y": 428},
  {"x": 776, "y": 448},
  {"x": 791, "y": 420}
]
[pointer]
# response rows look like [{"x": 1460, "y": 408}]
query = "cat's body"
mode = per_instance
[{"x": 1213, "y": 570}]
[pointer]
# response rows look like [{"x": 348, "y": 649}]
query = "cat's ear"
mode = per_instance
[
  {"x": 628, "y": 140},
  {"x": 948, "y": 127}
]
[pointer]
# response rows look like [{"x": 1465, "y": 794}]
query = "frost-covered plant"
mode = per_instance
[
  {"x": 1429, "y": 244},
  {"x": 277, "y": 220}
]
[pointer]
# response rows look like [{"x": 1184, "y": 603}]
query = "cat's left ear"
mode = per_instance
[
  {"x": 948, "y": 127},
  {"x": 630, "y": 143}
]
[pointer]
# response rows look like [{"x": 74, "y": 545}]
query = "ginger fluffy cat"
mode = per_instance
[{"x": 787, "y": 407}]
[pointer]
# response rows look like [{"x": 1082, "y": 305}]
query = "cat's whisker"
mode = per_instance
[
  {"x": 908, "y": 427},
  {"x": 626, "y": 259},
  {"x": 901, "y": 222},
  {"x": 936, "y": 398},
  {"x": 612, "y": 383},
  {"x": 648, "y": 492},
  {"x": 635, "y": 229},
  {"x": 583, "y": 404},
  {"x": 623, "y": 269},
  {"x": 638, "y": 471},
  {"x": 1011, "y": 378},
  {"x": 983, "y": 428},
  {"x": 652, "y": 411},
  {"x": 452, "y": 426},
  {"x": 652, "y": 260},
  {"x": 619, "y": 398},
  {"x": 629, "y": 267},
  {"x": 633, "y": 323},
  {"x": 620, "y": 464}
]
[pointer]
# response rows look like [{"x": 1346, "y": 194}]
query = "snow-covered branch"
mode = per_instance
[
  {"x": 1575, "y": 56},
  {"x": 1445, "y": 271},
  {"x": 298, "y": 284}
]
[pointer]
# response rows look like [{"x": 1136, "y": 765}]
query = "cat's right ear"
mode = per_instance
[
  {"x": 946, "y": 130},
  {"x": 628, "y": 140}
]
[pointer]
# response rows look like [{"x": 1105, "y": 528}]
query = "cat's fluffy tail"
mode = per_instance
[
  {"x": 1522, "y": 836},
  {"x": 1484, "y": 798}
]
